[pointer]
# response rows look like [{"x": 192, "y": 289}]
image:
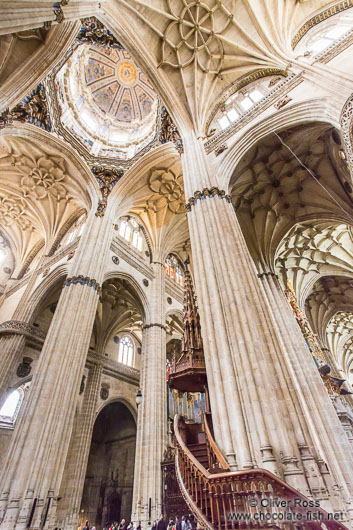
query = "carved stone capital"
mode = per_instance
[{"x": 207, "y": 192}]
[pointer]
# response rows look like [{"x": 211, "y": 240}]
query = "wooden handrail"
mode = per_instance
[
  {"x": 216, "y": 456},
  {"x": 222, "y": 497}
]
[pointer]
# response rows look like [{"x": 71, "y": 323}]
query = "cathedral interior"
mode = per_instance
[{"x": 176, "y": 263}]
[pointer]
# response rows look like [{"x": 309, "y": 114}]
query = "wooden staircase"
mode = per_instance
[{"x": 222, "y": 500}]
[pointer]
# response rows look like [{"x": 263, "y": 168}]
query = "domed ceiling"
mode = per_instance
[{"x": 106, "y": 101}]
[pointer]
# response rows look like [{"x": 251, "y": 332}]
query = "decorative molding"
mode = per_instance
[
  {"x": 18, "y": 327},
  {"x": 207, "y": 192},
  {"x": 65, "y": 228},
  {"x": 49, "y": 263},
  {"x": 30, "y": 258},
  {"x": 83, "y": 280},
  {"x": 237, "y": 85},
  {"x": 106, "y": 177},
  {"x": 169, "y": 131},
  {"x": 24, "y": 368},
  {"x": 32, "y": 109},
  {"x": 168, "y": 187},
  {"x": 286, "y": 86},
  {"x": 126, "y": 253},
  {"x": 346, "y": 121},
  {"x": 114, "y": 368},
  {"x": 335, "y": 49},
  {"x": 147, "y": 326},
  {"x": 282, "y": 102},
  {"x": 321, "y": 17},
  {"x": 104, "y": 393},
  {"x": 174, "y": 290},
  {"x": 94, "y": 32},
  {"x": 220, "y": 149}
]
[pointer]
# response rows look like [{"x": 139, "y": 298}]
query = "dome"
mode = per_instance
[{"x": 107, "y": 102}]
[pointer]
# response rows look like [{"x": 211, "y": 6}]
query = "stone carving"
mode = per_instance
[
  {"x": 32, "y": 109},
  {"x": 42, "y": 177},
  {"x": 21, "y": 328},
  {"x": 45, "y": 273},
  {"x": 193, "y": 35},
  {"x": 286, "y": 85},
  {"x": 106, "y": 178},
  {"x": 115, "y": 260},
  {"x": 169, "y": 454},
  {"x": 71, "y": 255},
  {"x": 13, "y": 210},
  {"x": 94, "y": 32},
  {"x": 104, "y": 393},
  {"x": 82, "y": 280},
  {"x": 24, "y": 368},
  {"x": 169, "y": 300},
  {"x": 207, "y": 192},
  {"x": 220, "y": 149},
  {"x": 59, "y": 13},
  {"x": 145, "y": 282},
  {"x": 170, "y": 188},
  {"x": 169, "y": 131},
  {"x": 346, "y": 128},
  {"x": 321, "y": 17},
  {"x": 282, "y": 102},
  {"x": 82, "y": 385}
]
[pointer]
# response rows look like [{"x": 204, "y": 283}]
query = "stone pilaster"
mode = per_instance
[
  {"x": 152, "y": 413},
  {"x": 76, "y": 465},
  {"x": 37, "y": 455}
]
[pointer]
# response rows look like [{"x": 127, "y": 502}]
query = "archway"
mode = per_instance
[{"x": 107, "y": 494}]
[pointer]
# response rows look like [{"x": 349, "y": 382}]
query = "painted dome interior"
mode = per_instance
[{"x": 106, "y": 101}]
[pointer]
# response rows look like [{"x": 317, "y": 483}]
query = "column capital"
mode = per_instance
[
  {"x": 207, "y": 192},
  {"x": 147, "y": 326}
]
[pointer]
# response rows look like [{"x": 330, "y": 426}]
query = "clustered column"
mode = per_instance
[
  {"x": 152, "y": 413},
  {"x": 259, "y": 419},
  {"x": 37, "y": 455}
]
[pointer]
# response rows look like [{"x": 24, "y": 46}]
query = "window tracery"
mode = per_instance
[
  {"x": 241, "y": 101},
  {"x": 324, "y": 35},
  {"x": 126, "y": 351},
  {"x": 174, "y": 270},
  {"x": 131, "y": 231}
]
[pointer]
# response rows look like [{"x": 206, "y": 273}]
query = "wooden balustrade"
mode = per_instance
[{"x": 244, "y": 499}]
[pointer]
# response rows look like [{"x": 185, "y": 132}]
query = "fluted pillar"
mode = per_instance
[
  {"x": 257, "y": 421},
  {"x": 22, "y": 16},
  {"x": 151, "y": 438},
  {"x": 12, "y": 346},
  {"x": 77, "y": 461},
  {"x": 37, "y": 455}
]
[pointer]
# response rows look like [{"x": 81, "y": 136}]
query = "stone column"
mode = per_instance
[
  {"x": 256, "y": 423},
  {"x": 151, "y": 438},
  {"x": 298, "y": 373},
  {"x": 37, "y": 455},
  {"x": 12, "y": 346},
  {"x": 76, "y": 465},
  {"x": 22, "y": 16}
]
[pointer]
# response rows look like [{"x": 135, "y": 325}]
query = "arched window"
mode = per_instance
[
  {"x": 126, "y": 351},
  {"x": 241, "y": 101},
  {"x": 75, "y": 230},
  {"x": 323, "y": 35},
  {"x": 130, "y": 230},
  {"x": 11, "y": 407},
  {"x": 174, "y": 270}
]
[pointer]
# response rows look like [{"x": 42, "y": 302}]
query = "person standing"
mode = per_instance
[
  {"x": 161, "y": 524},
  {"x": 86, "y": 527},
  {"x": 178, "y": 523}
]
